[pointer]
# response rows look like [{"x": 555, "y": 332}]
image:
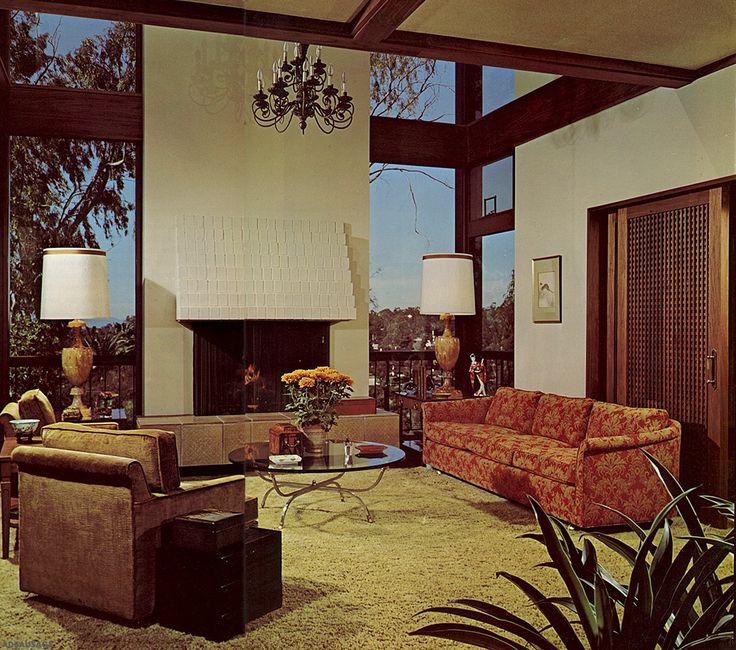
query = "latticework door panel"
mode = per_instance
[{"x": 667, "y": 311}]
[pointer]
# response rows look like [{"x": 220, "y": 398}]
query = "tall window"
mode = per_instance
[{"x": 71, "y": 192}]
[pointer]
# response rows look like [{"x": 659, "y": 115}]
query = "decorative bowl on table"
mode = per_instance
[
  {"x": 370, "y": 450},
  {"x": 24, "y": 429}
]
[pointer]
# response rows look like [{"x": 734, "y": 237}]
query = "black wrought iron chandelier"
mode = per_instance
[{"x": 302, "y": 88}]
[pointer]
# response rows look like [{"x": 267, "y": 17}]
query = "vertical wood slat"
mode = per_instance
[
  {"x": 621, "y": 306},
  {"x": 611, "y": 309}
]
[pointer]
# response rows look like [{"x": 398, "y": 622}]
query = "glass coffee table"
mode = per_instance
[{"x": 338, "y": 459}]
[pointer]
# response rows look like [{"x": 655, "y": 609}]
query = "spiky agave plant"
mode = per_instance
[{"x": 672, "y": 601}]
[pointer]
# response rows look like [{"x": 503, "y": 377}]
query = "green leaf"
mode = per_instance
[
  {"x": 721, "y": 641},
  {"x": 568, "y": 575},
  {"x": 605, "y": 612},
  {"x": 663, "y": 556},
  {"x": 641, "y": 533},
  {"x": 559, "y": 623},
  {"x": 469, "y": 634},
  {"x": 615, "y": 544},
  {"x": 493, "y": 610},
  {"x": 710, "y": 618}
]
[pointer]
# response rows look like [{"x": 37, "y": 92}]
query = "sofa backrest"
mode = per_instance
[
  {"x": 562, "y": 418},
  {"x": 607, "y": 419},
  {"x": 154, "y": 449},
  {"x": 513, "y": 408}
]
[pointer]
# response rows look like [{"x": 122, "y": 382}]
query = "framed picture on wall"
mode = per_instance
[{"x": 547, "y": 289}]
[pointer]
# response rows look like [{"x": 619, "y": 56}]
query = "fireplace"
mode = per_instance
[{"x": 238, "y": 364}]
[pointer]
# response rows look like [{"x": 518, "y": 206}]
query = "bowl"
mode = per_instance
[{"x": 25, "y": 428}]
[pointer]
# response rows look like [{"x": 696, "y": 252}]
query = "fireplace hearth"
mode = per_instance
[{"x": 238, "y": 364}]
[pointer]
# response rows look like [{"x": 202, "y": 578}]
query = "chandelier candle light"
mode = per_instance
[
  {"x": 309, "y": 80},
  {"x": 448, "y": 290}
]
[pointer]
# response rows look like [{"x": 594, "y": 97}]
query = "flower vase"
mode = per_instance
[{"x": 314, "y": 437}]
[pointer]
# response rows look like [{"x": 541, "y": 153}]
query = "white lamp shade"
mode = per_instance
[
  {"x": 447, "y": 284},
  {"x": 74, "y": 284}
]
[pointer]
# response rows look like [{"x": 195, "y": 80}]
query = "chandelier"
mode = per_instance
[{"x": 303, "y": 88}]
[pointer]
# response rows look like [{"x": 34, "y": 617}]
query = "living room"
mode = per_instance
[{"x": 586, "y": 145}]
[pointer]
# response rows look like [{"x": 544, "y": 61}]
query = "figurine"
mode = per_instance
[{"x": 477, "y": 372}]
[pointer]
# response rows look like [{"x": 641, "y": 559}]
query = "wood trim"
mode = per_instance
[
  {"x": 231, "y": 20},
  {"x": 622, "y": 305},
  {"x": 610, "y": 316},
  {"x": 519, "y": 57},
  {"x": 4, "y": 213},
  {"x": 70, "y": 113},
  {"x": 491, "y": 225},
  {"x": 378, "y": 19},
  {"x": 413, "y": 142},
  {"x": 666, "y": 194},
  {"x": 710, "y": 68},
  {"x": 140, "y": 339},
  {"x": 546, "y": 109}
]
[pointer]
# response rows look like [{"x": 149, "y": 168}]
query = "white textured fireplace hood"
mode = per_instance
[{"x": 265, "y": 269}]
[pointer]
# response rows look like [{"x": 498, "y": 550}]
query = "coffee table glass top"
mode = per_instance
[{"x": 255, "y": 456}]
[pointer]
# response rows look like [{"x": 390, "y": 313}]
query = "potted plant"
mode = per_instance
[
  {"x": 671, "y": 601},
  {"x": 313, "y": 395}
]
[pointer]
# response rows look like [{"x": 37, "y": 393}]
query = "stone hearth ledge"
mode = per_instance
[{"x": 208, "y": 439}]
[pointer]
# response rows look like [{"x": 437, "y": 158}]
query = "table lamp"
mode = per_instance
[
  {"x": 448, "y": 289},
  {"x": 74, "y": 287}
]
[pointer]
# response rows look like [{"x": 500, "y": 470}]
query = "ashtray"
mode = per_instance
[
  {"x": 370, "y": 450},
  {"x": 285, "y": 459}
]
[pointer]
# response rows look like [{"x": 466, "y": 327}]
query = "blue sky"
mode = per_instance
[{"x": 402, "y": 232}]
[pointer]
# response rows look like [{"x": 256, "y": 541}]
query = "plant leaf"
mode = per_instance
[
  {"x": 469, "y": 634},
  {"x": 493, "y": 610},
  {"x": 662, "y": 556},
  {"x": 559, "y": 623},
  {"x": 710, "y": 618},
  {"x": 720, "y": 641},
  {"x": 567, "y": 573},
  {"x": 615, "y": 544},
  {"x": 629, "y": 521}
]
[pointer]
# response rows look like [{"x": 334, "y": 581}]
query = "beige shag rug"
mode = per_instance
[{"x": 348, "y": 584}]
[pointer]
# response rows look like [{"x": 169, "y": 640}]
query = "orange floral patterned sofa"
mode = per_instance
[{"x": 569, "y": 453}]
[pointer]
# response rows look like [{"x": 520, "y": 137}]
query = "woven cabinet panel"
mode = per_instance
[{"x": 667, "y": 267}]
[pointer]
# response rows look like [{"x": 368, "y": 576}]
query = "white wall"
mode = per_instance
[
  {"x": 661, "y": 140},
  {"x": 203, "y": 154}
]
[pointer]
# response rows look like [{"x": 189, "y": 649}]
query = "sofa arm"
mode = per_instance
[
  {"x": 459, "y": 410},
  {"x": 83, "y": 467},
  {"x": 641, "y": 439}
]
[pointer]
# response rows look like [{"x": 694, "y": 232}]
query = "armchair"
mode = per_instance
[{"x": 105, "y": 493}]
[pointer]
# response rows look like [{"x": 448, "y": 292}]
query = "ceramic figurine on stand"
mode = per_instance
[{"x": 477, "y": 371}]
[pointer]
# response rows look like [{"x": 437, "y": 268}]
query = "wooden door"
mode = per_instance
[{"x": 668, "y": 342}]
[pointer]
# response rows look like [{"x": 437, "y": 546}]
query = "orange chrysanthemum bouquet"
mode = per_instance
[{"x": 314, "y": 394}]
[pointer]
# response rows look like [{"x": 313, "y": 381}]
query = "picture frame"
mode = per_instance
[{"x": 547, "y": 289}]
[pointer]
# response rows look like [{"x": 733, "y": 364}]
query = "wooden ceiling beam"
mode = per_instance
[
  {"x": 546, "y": 109},
  {"x": 414, "y": 142},
  {"x": 378, "y": 19},
  {"x": 52, "y": 112},
  {"x": 231, "y": 20}
]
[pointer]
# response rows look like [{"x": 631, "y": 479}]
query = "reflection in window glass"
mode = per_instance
[
  {"x": 498, "y": 186},
  {"x": 412, "y": 88},
  {"x": 501, "y": 86},
  {"x": 498, "y": 291},
  {"x": 70, "y": 193},
  {"x": 72, "y": 52},
  {"x": 412, "y": 213}
]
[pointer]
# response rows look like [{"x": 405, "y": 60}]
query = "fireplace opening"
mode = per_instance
[{"x": 238, "y": 364}]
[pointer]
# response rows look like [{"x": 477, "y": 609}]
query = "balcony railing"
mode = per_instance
[{"x": 391, "y": 370}]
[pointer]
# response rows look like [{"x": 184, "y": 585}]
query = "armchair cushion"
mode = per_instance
[
  {"x": 513, "y": 408},
  {"x": 9, "y": 412},
  {"x": 562, "y": 418},
  {"x": 608, "y": 419},
  {"x": 155, "y": 450},
  {"x": 33, "y": 404}
]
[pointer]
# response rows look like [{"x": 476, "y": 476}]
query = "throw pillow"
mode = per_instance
[
  {"x": 513, "y": 408},
  {"x": 608, "y": 419},
  {"x": 562, "y": 418}
]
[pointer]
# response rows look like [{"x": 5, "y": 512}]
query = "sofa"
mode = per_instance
[
  {"x": 92, "y": 503},
  {"x": 573, "y": 455}
]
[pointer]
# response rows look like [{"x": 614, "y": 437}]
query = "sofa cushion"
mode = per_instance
[
  {"x": 155, "y": 450},
  {"x": 495, "y": 443},
  {"x": 33, "y": 404},
  {"x": 452, "y": 434},
  {"x": 513, "y": 408},
  {"x": 608, "y": 419},
  {"x": 562, "y": 418},
  {"x": 547, "y": 457}
]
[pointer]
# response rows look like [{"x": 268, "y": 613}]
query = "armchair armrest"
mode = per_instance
[
  {"x": 641, "y": 439},
  {"x": 81, "y": 466},
  {"x": 460, "y": 410}
]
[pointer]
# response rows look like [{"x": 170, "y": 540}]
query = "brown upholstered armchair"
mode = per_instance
[
  {"x": 105, "y": 493},
  {"x": 32, "y": 404}
]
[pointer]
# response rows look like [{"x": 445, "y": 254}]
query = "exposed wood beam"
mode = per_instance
[
  {"x": 716, "y": 65},
  {"x": 4, "y": 77},
  {"x": 231, "y": 20},
  {"x": 378, "y": 19},
  {"x": 462, "y": 50},
  {"x": 491, "y": 224},
  {"x": 546, "y": 109},
  {"x": 413, "y": 142},
  {"x": 71, "y": 113}
]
